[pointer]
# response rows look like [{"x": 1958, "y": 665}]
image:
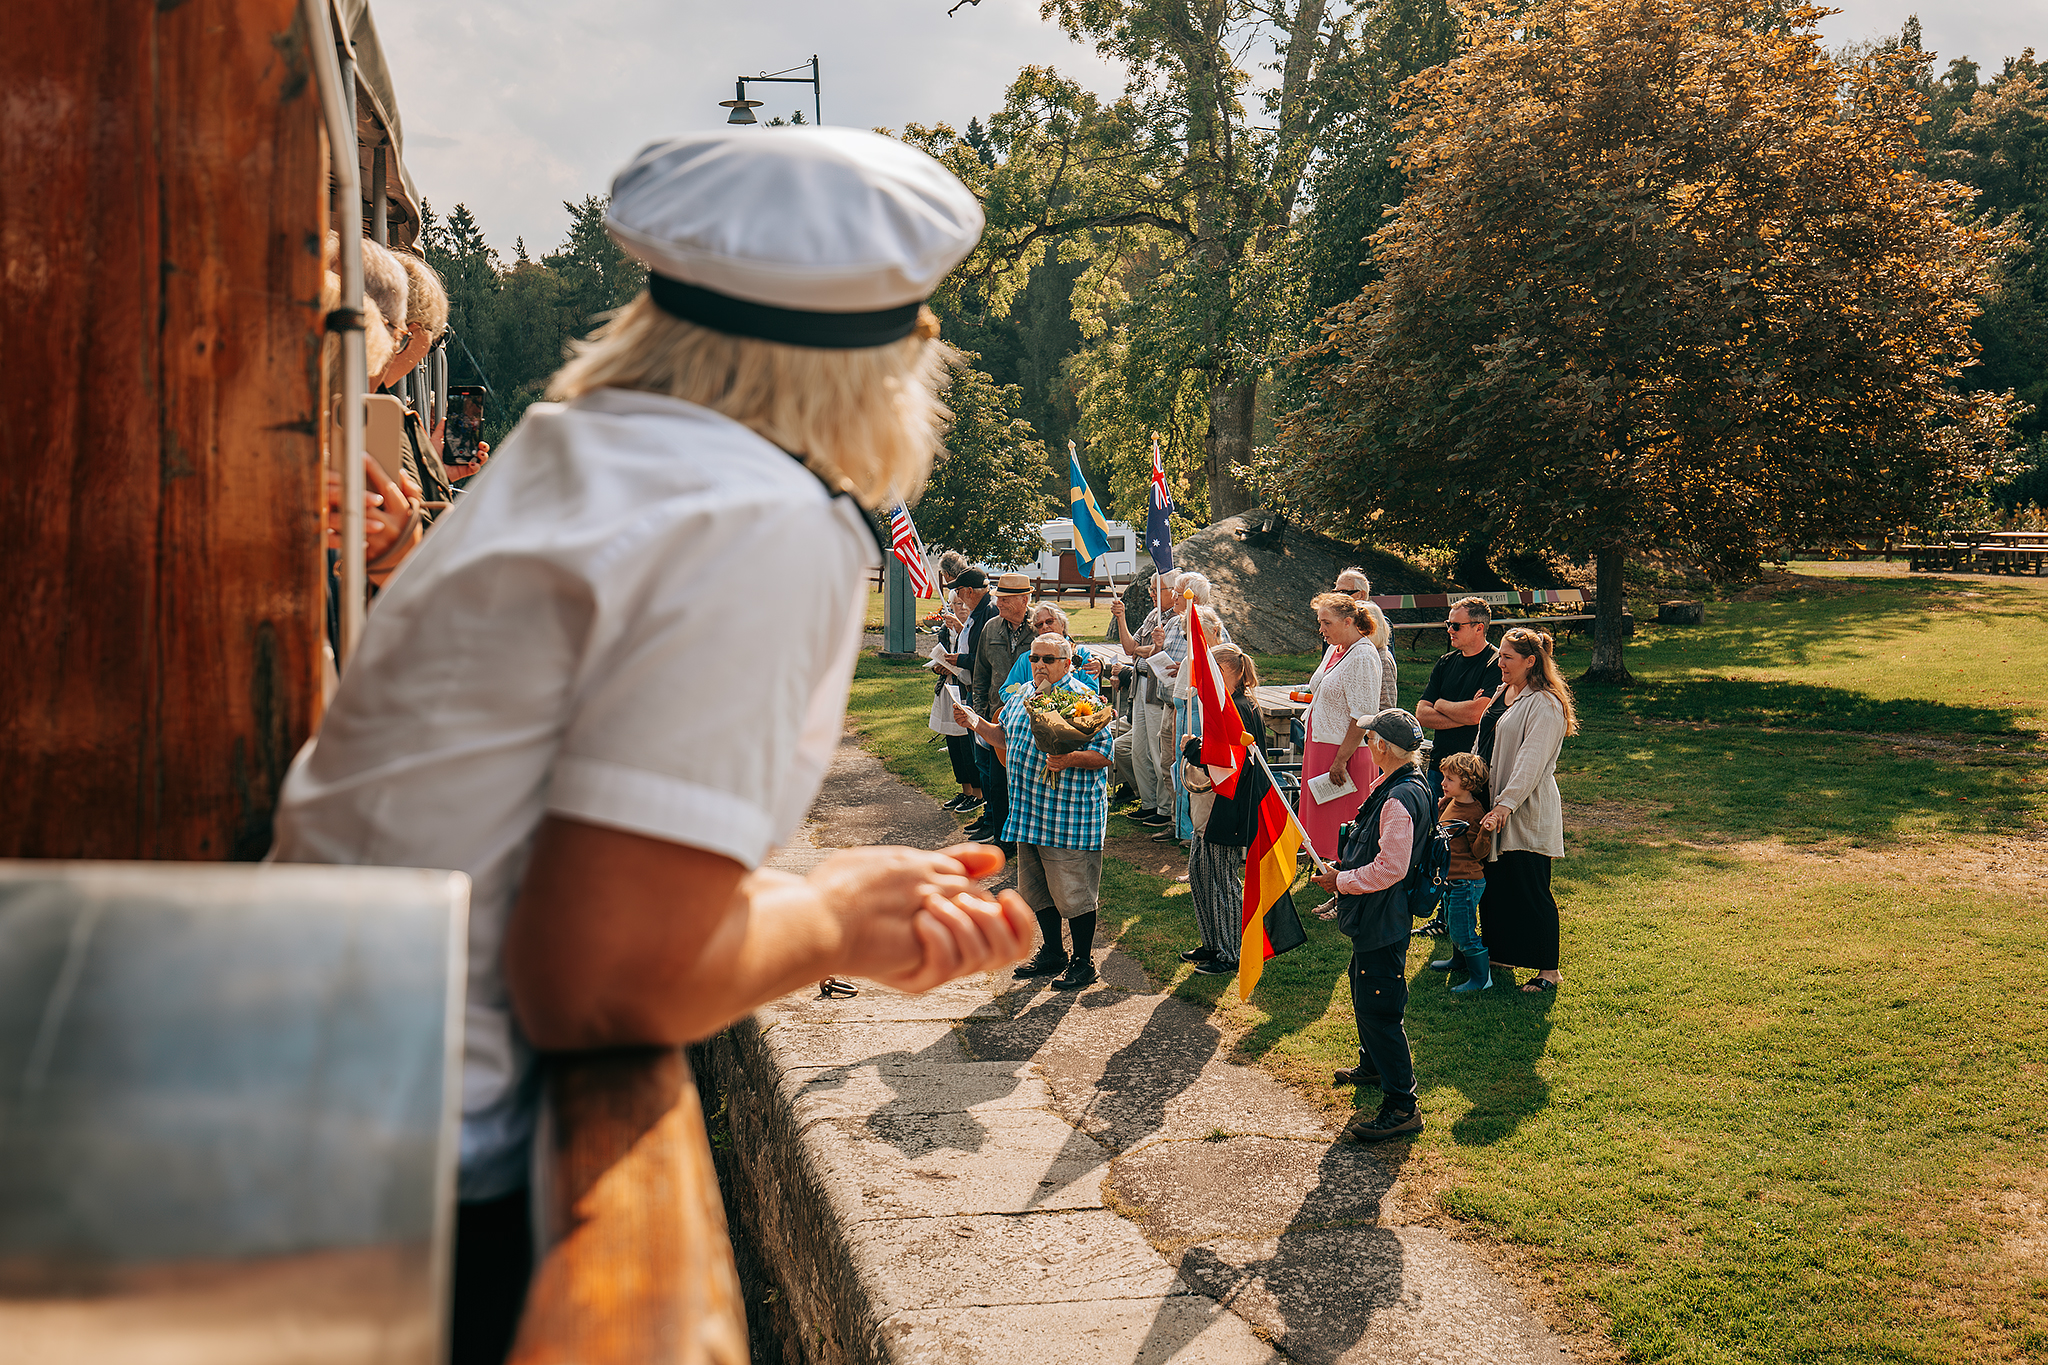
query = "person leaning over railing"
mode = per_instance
[{"x": 545, "y": 698}]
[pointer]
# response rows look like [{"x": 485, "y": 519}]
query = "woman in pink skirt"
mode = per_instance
[{"x": 1347, "y": 689}]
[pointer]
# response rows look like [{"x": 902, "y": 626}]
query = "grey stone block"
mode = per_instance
[{"x": 1183, "y": 1329}]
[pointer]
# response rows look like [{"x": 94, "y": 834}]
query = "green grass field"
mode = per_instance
[{"x": 1791, "y": 1103}]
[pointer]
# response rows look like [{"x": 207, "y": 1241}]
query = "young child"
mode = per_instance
[{"x": 1465, "y": 798}]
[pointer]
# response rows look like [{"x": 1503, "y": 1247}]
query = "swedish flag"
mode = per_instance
[{"x": 1091, "y": 529}]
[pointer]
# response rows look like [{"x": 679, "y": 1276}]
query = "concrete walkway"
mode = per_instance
[{"x": 1023, "y": 1174}]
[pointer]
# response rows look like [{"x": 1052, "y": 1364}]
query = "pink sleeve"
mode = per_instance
[{"x": 1397, "y": 841}]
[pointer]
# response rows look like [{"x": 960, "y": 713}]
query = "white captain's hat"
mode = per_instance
[{"x": 828, "y": 237}]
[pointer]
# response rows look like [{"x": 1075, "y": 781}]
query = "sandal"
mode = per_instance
[
  {"x": 1327, "y": 911},
  {"x": 1536, "y": 985},
  {"x": 832, "y": 988}
]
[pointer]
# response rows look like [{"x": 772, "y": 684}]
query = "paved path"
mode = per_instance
[{"x": 1033, "y": 1175}]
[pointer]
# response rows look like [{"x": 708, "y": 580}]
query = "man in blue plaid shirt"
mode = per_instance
[{"x": 1057, "y": 826}]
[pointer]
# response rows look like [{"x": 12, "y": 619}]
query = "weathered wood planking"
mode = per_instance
[
  {"x": 639, "y": 1270},
  {"x": 160, "y": 202}
]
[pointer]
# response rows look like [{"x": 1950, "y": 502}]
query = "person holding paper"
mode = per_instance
[
  {"x": 958, "y": 632},
  {"x": 1136, "y": 750},
  {"x": 1347, "y": 689}
]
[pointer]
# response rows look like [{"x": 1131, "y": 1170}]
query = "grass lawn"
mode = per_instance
[{"x": 1792, "y": 1101}]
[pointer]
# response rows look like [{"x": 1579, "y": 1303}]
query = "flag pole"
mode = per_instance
[{"x": 1292, "y": 819}]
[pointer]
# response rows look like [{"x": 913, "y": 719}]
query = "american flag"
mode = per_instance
[{"x": 903, "y": 540}]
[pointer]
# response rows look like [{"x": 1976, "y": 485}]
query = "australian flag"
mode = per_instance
[{"x": 1158, "y": 532}]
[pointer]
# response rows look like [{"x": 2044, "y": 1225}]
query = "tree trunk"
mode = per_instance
[
  {"x": 1229, "y": 443},
  {"x": 1473, "y": 567},
  {"x": 1610, "y": 601}
]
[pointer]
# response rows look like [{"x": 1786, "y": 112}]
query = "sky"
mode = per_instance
[{"x": 512, "y": 106}]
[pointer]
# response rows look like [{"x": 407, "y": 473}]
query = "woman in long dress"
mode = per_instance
[
  {"x": 1347, "y": 692},
  {"x": 1518, "y": 917}
]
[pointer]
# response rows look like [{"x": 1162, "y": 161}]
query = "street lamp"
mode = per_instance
[{"x": 743, "y": 108}]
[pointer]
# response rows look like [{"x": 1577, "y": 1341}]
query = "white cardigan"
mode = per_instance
[{"x": 1347, "y": 691}]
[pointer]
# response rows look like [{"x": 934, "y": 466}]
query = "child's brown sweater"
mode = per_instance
[{"x": 1468, "y": 850}]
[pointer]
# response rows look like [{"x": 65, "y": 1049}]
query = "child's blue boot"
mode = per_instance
[{"x": 1480, "y": 973}]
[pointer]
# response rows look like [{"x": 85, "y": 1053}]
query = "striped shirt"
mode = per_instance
[{"x": 1068, "y": 813}]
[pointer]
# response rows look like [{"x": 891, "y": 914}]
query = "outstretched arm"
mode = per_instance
[{"x": 619, "y": 939}]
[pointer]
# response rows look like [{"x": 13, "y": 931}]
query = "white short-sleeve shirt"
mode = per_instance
[{"x": 641, "y": 615}]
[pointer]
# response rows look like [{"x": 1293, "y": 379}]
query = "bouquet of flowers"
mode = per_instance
[{"x": 1064, "y": 722}]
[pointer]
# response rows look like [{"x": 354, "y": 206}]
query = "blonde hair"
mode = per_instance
[
  {"x": 1544, "y": 677},
  {"x": 1348, "y": 608},
  {"x": 1382, "y": 632},
  {"x": 426, "y": 302},
  {"x": 378, "y": 344},
  {"x": 385, "y": 282},
  {"x": 1247, "y": 671},
  {"x": 1469, "y": 769},
  {"x": 867, "y": 421}
]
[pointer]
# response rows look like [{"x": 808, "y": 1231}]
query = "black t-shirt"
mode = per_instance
[{"x": 1457, "y": 678}]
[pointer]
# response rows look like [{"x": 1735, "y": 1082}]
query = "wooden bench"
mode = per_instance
[{"x": 1070, "y": 580}]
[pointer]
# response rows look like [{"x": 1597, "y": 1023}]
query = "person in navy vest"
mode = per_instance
[{"x": 1378, "y": 854}]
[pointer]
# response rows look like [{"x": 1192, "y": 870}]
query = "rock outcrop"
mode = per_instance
[{"x": 1264, "y": 578}]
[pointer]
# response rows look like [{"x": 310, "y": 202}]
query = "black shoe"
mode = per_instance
[
  {"x": 1121, "y": 795},
  {"x": 1152, "y": 818},
  {"x": 1390, "y": 1122},
  {"x": 1202, "y": 954},
  {"x": 1045, "y": 964},
  {"x": 1454, "y": 963},
  {"x": 1165, "y": 836},
  {"x": 1080, "y": 972},
  {"x": 1216, "y": 967},
  {"x": 1356, "y": 1075},
  {"x": 969, "y": 803},
  {"x": 954, "y": 804}
]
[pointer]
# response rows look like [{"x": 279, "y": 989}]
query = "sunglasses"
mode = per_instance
[
  {"x": 1460, "y": 625},
  {"x": 1048, "y": 658}
]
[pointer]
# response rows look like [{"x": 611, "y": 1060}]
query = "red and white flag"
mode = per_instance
[
  {"x": 1224, "y": 740},
  {"x": 903, "y": 540}
]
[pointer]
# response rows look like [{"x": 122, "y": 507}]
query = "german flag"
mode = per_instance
[{"x": 1271, "y": 926}]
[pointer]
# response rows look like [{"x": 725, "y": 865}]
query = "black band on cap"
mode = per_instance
[{"x": 790, "y": 326}]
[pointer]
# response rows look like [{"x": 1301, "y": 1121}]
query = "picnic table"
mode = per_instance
[
  {"x": 2010, "y": 552},
  {"x": 1556, "y": 623}
]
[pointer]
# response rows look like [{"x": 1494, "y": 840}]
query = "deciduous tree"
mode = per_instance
[
  {"x": 1180, "y": 197},
  {"x": 987, "y": 493},
  {"x": 1666, "y": 276}
]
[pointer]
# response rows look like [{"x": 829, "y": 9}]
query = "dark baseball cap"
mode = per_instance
[
  {"x": 970, "y": 578},
  {"x": 1397, "y": 728}
]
